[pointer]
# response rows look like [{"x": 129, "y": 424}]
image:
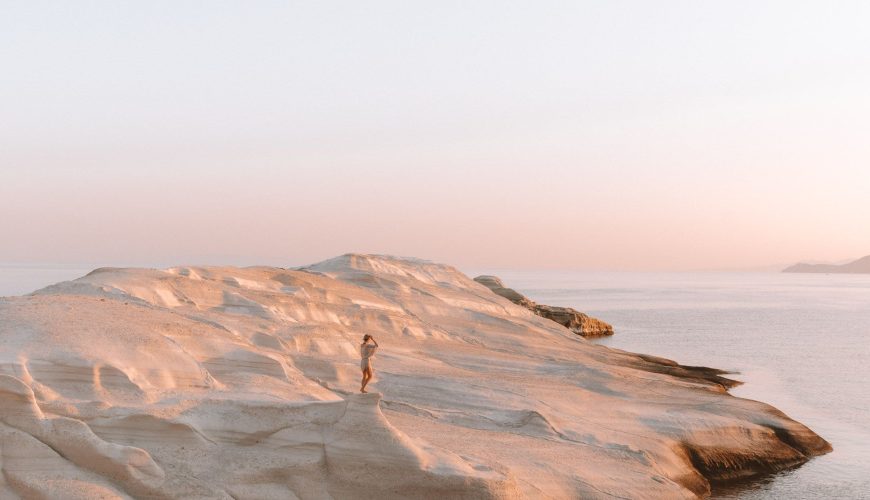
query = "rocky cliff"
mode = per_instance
[
  {"x": 572, "y": 319},
  {"x": 224, "y": 382}
]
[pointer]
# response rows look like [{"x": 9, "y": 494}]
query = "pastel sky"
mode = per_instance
[{"x": 618, "y": 135}]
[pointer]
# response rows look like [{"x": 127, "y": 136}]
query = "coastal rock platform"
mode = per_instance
[{"x": 242, "y": 383}]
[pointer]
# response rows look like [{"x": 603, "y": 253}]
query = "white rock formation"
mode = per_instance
[{"x": 241, "y": 383}]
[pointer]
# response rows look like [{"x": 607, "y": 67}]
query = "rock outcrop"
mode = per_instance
[
  {"x": 224, "y": 382},
  {"x": 572, "y": 319},
  {"x": 860, "y": 266}
]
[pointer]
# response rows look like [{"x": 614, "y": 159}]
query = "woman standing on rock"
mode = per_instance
[{"x": 367, "y": 350}]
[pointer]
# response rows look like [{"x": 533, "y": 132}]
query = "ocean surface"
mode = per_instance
[
  {"x": 800, "y": 342},
  {"x": 23, "y": 280}
]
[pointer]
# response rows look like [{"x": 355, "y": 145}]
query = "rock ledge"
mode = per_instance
[{"x": 572, "y": 319}]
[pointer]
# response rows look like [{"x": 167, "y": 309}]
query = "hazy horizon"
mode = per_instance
[
  {"x": 590, "y": 135},
  {"x": 85, "y": 266}
]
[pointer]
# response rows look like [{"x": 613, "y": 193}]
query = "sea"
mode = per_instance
[
  {"x": 800, "y": 342},
  {"x": 21, "y": 280}
]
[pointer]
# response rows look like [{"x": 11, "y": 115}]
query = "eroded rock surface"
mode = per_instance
[
  {"x": 572, "y": 319},
  {"x": 221, "y": 382}
]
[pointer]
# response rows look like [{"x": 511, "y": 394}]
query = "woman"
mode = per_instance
[{"x": 367, "y": 350}]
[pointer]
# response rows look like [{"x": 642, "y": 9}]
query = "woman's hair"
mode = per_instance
[{"x": 366, "y": 337}]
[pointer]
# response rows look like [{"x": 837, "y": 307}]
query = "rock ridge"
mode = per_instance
[{"x": 580, "y": 323}]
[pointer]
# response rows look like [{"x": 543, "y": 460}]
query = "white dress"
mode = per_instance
[{"x": 367, "y": 351}]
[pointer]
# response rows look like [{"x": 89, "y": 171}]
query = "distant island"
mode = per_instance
[{"x": 860, "y": 266}]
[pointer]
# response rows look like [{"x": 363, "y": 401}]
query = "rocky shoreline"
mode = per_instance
[{"x": 224, "y": 382}]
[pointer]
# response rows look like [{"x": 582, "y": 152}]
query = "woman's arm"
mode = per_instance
[{"x": 375, "y": 341}]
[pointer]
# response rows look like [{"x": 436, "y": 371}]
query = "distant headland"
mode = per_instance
[{"x": 860, "y": 266}]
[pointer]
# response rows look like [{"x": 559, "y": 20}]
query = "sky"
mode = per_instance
[{"x": 606, "y": 135}]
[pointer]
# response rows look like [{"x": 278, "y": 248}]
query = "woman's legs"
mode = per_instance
[{"x": 367, "y": 375}]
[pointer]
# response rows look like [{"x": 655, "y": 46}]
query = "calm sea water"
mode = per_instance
[
  {"x": 800, "y": 342},
  {"x": 23, "y": 280}
]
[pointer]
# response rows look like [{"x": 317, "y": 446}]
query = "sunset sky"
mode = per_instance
[{"x": 607, "y": 135}]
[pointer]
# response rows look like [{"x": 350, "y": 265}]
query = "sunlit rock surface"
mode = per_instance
[{"x": 208, "y": 382}]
